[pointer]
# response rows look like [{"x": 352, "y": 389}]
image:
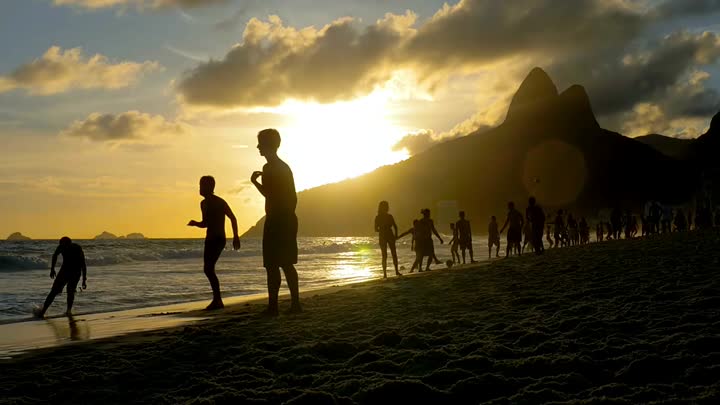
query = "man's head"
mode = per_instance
[
  {"x": 65, "y": 241},
  {"x": 511, "y": 205},
  {"x": 268, "y": 141},
  {"x": 531, "y": 201},
  {"x": 207, "y": 186},
  {"x": 493, "y": 219},
  {"x": 425, "y": 212},
  {"x": 462, "y": 214}
]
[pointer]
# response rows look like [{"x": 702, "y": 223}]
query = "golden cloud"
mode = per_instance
[
  {"x": 127, "y": 127},
  {"x": 58, "y": 71}
]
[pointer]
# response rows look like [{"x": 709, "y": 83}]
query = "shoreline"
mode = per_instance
[
  {"x": 621, "y": 321},
  {"x": 20, "y": 337}
]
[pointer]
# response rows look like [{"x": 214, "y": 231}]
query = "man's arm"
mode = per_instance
[
  {"x": 507, "y": 220},
  {"x": 83, "y": 267},
  {"x": 432, "y": 224},
  {"x": 377, "y": 225},
  {"x": 260, "y": 187},
  {"x": 408, "y": 232},
  {"x": 233, "y": 223},
  {"x": 54, "y": 262},
  {"x": 203, "y": 223}
]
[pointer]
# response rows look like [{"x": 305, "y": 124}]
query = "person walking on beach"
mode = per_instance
[
  {"x": 281, "y": 225},
  {"x": 424, "y": 246},
  {"x": 527, "y": 236},
  {"x": 514, "y": 235},
  {"x": 584, "y": 229},
  {"x": 412, "y": 233},
  {"x": 464, "y": 236},
  {"x": 454, "y": 244},
  {"x": 493, "y": 237},
  {"x": 559, "y": 229},
  {"x": 387, "y": 230},
  {"x": 214, "y": 210},
  {"x": 536, "y": 216},
  {"x": 73, "y": 266}
]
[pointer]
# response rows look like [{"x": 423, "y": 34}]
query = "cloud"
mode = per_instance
[
  {"x": 127, "y": 127},
  {"x": 617, "y": 82},
  {"x": 58, "y": 71},
  {"x": 609, "y": 46},
  {"x": 276, "y": 62},
  {"x": 137, "y": 4}
]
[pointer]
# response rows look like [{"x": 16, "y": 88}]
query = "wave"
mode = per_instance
[
  {"x": 10, "y": 263},
  {"x": 20, "y": 262}
]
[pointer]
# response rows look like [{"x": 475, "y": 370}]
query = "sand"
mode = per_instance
[{"x": 617, "y": 322}]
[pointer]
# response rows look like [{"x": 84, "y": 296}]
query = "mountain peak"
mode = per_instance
[
  {"x": 576, "y": 105},
  {"x": 715, "y": 124},
  {"x": 536, "y": 87}
]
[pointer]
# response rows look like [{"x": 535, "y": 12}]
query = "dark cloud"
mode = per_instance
[
  {"x": 131, "y": 126},
  {"x": 137, "y": 4},
  {"x": 675, "y": 9},
  {"x": 276, "y": 62}
]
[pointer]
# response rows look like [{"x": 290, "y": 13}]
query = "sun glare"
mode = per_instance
[{"x": 326, "y": 143}]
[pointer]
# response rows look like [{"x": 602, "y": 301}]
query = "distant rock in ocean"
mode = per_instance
[
  {"x": 135, "y": 236},
  {"x": 105, "y": 236},
  {"x": 17, "y": 236}
]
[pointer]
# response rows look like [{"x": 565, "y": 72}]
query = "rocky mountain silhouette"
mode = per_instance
[
  {"x": 17, "y": 236},
  {"x": 550, "y": 146}
]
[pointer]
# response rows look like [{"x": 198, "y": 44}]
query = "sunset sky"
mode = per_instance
[{"x": 111, "y": 110}]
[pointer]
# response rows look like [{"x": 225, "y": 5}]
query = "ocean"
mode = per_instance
[{"x": 126, "y": 274}]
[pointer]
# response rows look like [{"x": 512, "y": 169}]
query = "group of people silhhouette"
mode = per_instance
[
  {"x": 275, "y": 182},
  {"x": 423, "y": 230}
]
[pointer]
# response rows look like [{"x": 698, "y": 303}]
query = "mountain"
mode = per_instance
[
  {"x": 105, "y": 236},
  {"x": 669, "y": 146},
  {"x": 135, "y": 236},
  {"x": 550, "y": 146},
  {"x": 17, "y": 236}
]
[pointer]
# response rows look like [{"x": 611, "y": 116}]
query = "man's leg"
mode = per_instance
[
  {"x": 393, "y": 252},
  {"x": 462, "y": 249},
  {"x": 57, "y": 287},
  {"x": 472, "y": 259},
  {"x": 213, "y": 249},
  {"x": 383, "y": 251},
  {"x": 291, "y": 277},
  {"x": 273, "y": 285},
  {"x": 71, "y": 287}
]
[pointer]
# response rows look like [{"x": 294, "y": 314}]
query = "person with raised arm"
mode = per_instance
[
  {"x": 281, "y": 224},
  {"x": 214, "y": 210}
]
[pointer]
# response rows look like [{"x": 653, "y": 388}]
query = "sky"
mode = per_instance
[{"x": 111, "y": 110}]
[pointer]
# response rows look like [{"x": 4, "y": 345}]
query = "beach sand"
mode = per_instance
[{"x": 617, "y": 322}]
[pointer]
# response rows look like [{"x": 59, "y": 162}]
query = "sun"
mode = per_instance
[{"x": 326, "y": 143}]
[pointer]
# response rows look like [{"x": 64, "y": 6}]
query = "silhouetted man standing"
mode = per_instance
[
  {"x": 73, "y": 265},
  {"x": 514, "y": 236},
  {"x": 281, "y": 225},
  {"x": 464, "y": 236},
  {"x": 214, "y": 210},
  {"x": 536, "y": 216}
]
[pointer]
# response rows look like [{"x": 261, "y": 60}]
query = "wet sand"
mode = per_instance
[{"x": 618, "y": 322}]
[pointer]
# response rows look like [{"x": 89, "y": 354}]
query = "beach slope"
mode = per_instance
[{"x": 622, "y": 321}]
